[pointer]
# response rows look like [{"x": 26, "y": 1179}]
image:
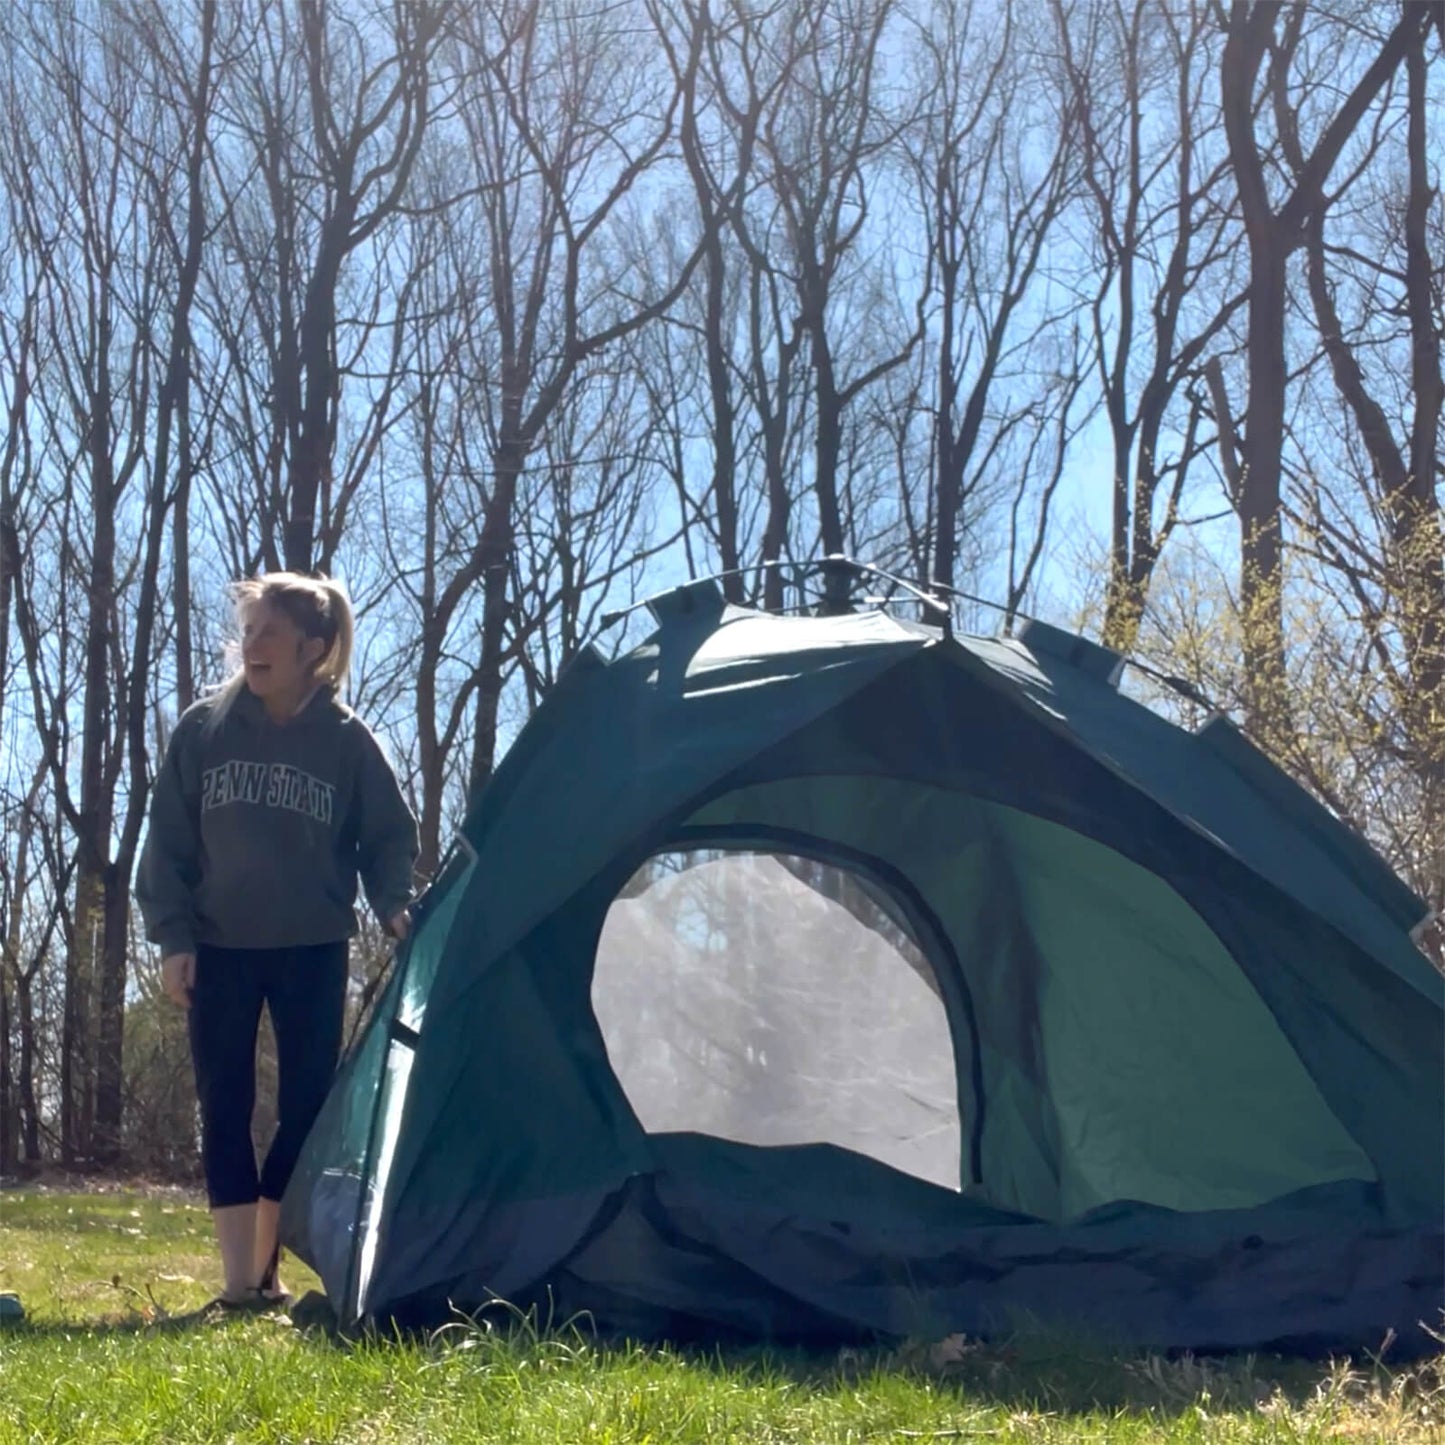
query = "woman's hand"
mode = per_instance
[
  {"x": 400, "y": 925},
  {"x": 178, "y": 977}
]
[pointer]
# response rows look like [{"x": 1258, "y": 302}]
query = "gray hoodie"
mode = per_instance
[{"x": 258, "y": 830}]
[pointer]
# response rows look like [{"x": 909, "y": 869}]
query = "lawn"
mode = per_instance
[{"x": 106, "y": 1354}]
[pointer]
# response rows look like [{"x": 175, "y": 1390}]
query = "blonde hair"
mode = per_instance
[{"x": 317, "y": 606}]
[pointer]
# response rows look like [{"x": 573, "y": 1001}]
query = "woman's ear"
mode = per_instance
[{"x": 313, "y": 649}]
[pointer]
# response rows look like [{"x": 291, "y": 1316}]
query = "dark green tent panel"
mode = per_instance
[{"x": 826, "y": 977}]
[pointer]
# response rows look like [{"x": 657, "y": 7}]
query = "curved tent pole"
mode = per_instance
[
  {"x": 940, "y": 612},
  {"x": 351, "y": 1303}
]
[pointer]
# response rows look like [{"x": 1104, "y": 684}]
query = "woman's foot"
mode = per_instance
[
  {"x": 246, "y": 1302},
  {"x": 269, "y": 1286}
]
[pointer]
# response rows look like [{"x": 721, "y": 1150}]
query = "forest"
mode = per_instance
[{"x": 509, "y": 313}]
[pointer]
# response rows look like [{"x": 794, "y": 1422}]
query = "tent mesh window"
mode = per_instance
[{"x": 772, "y": 999}]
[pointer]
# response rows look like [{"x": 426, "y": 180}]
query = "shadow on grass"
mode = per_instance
[
  {"x": 1035, "y": 1370},
  {"x": 1047, "y": 1373},
  {"x": 138, "y": 1324},
  {"x": 1052, "y": 1374},
  {"x": 146, "y": 1316}
]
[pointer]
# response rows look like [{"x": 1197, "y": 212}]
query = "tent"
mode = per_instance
[{"x": 837, "y": 977}]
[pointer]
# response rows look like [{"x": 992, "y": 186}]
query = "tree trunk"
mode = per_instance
[
  {"x": 1273, "y": 234},
  {"x": 948, "y": 458},
  {"x": 77, "y": 1075},
  {"x": 837, "y": 584},
  {"x": 315, "y": 438},
  {"x": 717, "y": 351},
  {"x": 25, "y": 1077},
  {"x": 181, "y": 564},
  {"x": 780, "y": 505},
  {"x": 1415, "y": 511},
  {"x": 175, "y": 399},
  {"x": 429, "y": 825},
  {"x": 172, "y": 407},
  {"x": 11, "y": 1089},
  {"x": 7, "y": 1087},
  {"x": 497, "y": 540},
  {"x": 1261, "y": 586},
  {"x": 110, "y": 1033},
  {"x": 773, "y": 411},
  {"x": 94, "y": 884},
  {"x": 724, "y": 429}
]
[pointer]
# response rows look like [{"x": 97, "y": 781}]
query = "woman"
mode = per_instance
[{"x": 273, "y": 797}]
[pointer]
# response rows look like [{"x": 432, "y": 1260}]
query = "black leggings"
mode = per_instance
[{"x": 305, "y": 990}]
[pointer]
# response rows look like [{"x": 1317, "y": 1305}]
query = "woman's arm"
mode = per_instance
[
  {"x": 170, "y": 861},
  {"x": 386, "y": 842}
]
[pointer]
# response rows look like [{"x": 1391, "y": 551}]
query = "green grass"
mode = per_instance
[{"x": 100, "y": 1357}]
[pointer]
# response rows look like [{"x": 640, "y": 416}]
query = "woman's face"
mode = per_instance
[{"x": 278, "y": 657}]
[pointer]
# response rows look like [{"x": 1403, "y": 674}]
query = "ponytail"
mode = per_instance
[{"x": 334, "y": 668}]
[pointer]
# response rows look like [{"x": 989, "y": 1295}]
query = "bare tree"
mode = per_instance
[
  {"x": 689, "y": 378},
  {"x": 91, "y": 152},
  {"x": 591, "y": 526},
  {"x": 66, "y": 189},
  {"x": 1364, "y": 492},
  {"x": 719, "y": 157},
  {"x": 992, "y": 152},
  {"x": 1263, "y": 40},
  {"x": 33, "y": 883},
  {"x": 1163, "y": 242},
  {"x": 430, "y": 515},
  {"x": 866, "y": 330},
  {"x": 821, "y": 141},
  {"x": 319, "y": 145},
  {"x": 184, "y": 61},
  {"x": 785, "y": 139},
  {"x": 564, "y": 118},
  {"x": 1404, "y": 457}
]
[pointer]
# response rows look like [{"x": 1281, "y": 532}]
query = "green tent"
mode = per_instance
[{"x": 835, "y": 977}]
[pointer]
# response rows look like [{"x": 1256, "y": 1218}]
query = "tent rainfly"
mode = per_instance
[{"x": 836, "y": 977}]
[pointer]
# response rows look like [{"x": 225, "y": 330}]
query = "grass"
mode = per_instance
[{"x": 105, "y": 1275}]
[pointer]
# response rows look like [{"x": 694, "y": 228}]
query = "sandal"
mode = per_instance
[
  {"x": 267, "y": 1287},
  {"x": 254, "y": 1301},
  {"x": 267, "y": 1282}
]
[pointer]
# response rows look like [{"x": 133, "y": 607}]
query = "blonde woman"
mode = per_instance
[{"x": 273, "y": 798}]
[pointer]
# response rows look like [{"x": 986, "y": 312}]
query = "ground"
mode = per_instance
[{"x": 110, "y": 1274}]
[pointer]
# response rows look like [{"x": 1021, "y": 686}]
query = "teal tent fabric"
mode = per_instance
[{"x": 1196, "y": 1062}]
